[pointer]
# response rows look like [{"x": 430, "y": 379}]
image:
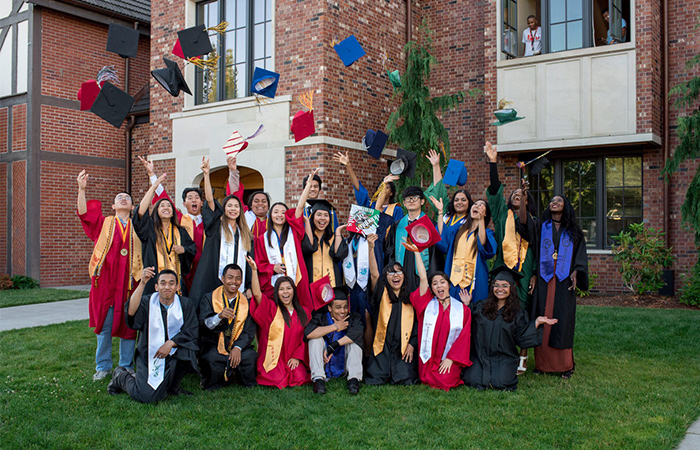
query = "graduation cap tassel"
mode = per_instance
[
  {"x": 211, "y": 63},
  {"x": 378, "y": 192},
  {"x": 335, "y": 41},
  {"x": 307, "y": 99},
  {"x": 107, "y": 73},
  {"x": 220, "y": 28}
]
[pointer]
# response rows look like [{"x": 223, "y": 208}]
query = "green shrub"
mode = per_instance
[
  {"x": 592, "y": 284},
  {"x": 22, "y": 282},
  {"x": 642, "y": 255},
  {"x": 6, "y": 282},
  {"x": 690, "y": 293}
]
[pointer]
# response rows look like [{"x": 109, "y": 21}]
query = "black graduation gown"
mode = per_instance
[
  {"x": 494, "y": 351},
  {"x": 176, "y": 365},
  {"x": 354, "y": 331},
  {"x": 388, "y": 366},
  {"x": 145, "y": 230},
  {"x": 562, "y": 334},
  {"x": 207, "y": 277},
  {"x": 409, "y": 260},
  {"x": 308, "y": 249},
  {"x": 213, "y": 363}
]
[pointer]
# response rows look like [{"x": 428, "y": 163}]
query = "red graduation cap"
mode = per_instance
[
  {"x": 177, "y": 50},
  {"x": 423, "y": 233},
  {"x": 87, "y": 94},
  {"x": 322, "y": 292},
  {"x": 303, "y": 124}
]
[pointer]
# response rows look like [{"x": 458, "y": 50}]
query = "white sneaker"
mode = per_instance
[{"x": 101, "y": 375}]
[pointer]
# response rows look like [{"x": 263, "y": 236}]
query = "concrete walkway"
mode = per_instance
[
  {"x": 692, "y": 438},
  {"x": 28, "y": 316}
]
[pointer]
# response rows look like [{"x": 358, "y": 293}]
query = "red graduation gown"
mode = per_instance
[
  {"x": 458, "y": 353},
  {"x": 198, "y": 239},
  {"x": 112, "y": 286},
  {"x": 293, "y": 346},
  {"x": 267, "y": 270}
]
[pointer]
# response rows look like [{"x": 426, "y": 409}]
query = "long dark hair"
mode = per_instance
[
  {"x": 568, "y": 220},
  {"x": 531, "y": 206},
  {"x": 451, "y": 206},
  {"x": 510, "y": 309},
  {"x": 468, "y": 221},
  {"x": 270, "y": 229},
  {"x": 404, "y": 295},
  {"x": 156, "y": 218},
  {"x": 432, "y": 276},
  {"x": 242, "y": 225},
  {"x": 328, "y": 232},
  {"x": 295, "y": 302}
]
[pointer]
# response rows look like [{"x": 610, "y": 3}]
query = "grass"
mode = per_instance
[
  {"x": 17, "y": 297},
  {"x": 637, "y": 384}
]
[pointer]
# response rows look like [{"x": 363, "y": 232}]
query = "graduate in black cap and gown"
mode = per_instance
[{"x": 323, "y": 248}]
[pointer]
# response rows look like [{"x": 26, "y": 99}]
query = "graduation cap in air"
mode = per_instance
[
  {"x": 374, "y": 142},
  {"x": 236, "y": 143},
  {"x": 171, "y": 78},
  {"x": 349, "y": 50},
  {"x": 264, "y": 82},
  {"x": 87, "y": 94},
  {"x": 506, "y": 274},
  {"x": 423, "y": 233},
  {"x": 322, "y": 292},
  {"x": 455, "y": 173},
  {"x": 194, "y": 41},
  {"x": 122, "y": 40},
  {"x": 112, "y": 104},
  {"x": 395, "y": 78},
  {"x": 536, "y": 164},
  {"x": 404, "y": 164},
  {"x": 506, "y": 115},
  {"x": 303, "y": 124}
]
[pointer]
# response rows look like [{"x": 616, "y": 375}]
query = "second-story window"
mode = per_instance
[
  {"x": 509, "y": 12},
  {"x": 247, "y": 43},
  {"x": 565, "y": 19}
]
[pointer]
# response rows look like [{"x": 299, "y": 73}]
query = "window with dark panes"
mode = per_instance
[
  {"x": 606, "y": 193},
  {"x": 246, "y": 43},
  {"x": 509, "y": 42}
]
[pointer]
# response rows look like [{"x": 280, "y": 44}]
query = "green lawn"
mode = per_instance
[
  {"x": 17, "y": 297},
  {"x": 637, "y": 384}
]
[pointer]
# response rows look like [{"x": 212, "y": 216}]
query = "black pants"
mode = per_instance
[
  {"x": 137, "y": 385},
  {"x": 213, "y": 365}
]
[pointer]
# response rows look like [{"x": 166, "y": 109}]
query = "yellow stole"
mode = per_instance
[
  {"x": 407, "y": 315},
  {"x": 104, "y": 242},
  {"x": 167, "y": 258},
  {"x": 464, "y": 260},
  {"x": 219, "y": 302},
  {"x": 188, "y": 224},
  {"x": 274, "y": 342},
  {"x": 514, "y": 247},
  {"x": 323, "y": 263}
]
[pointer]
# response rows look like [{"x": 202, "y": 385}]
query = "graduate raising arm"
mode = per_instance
[
  {"x": 305, "y": 195},
  {"x": 135, "y": 299},
  {"x": 344, "y": 160},
  {"x": 254, "y": 280},
  {"x": 208, "y": 191}
]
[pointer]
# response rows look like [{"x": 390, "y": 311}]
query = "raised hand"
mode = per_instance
[
  {"x": 341, "y": 159},
  {"x": 433, "y": 157},
  {"x": 390, "y": 178},
  {"x": 159, "y": 180},
  {"x": 82, "y": 180},
  {"x": 251, "y": 263},
  {"x": 491, "y": 152},
  {"x": 148, "y": 165},
  {"x": 232, "y": 162},
  {"x": 147, "y": 274},
  {"x": 465, "y": 296},
  {"x": 438, "y": 204},
  {"x": 411, "y": 247},
  {"x": 205, "y": 165},
  {"x": 371, "y": 239}
]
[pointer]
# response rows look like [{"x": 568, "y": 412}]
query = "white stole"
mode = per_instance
[
  {"x": 429, "y": 322},
  {"x": 227, "y": 256},
  {"x": 250, "y": 219},
  {"x": 156, "y": 335},
  {"x": 361, "y": 275},
  {"x": 274, "y": 255}
]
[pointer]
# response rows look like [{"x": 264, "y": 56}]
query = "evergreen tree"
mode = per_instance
[{"x": 415, "y": 126}]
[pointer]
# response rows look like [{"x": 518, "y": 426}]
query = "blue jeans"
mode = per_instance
[{"x": 103, "y": 356}]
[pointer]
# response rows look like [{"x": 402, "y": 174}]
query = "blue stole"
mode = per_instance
[
  {"x": 564, "y": 255},
  {"x": 401, "y": 236},
  {"x": 336, "y": 367}
]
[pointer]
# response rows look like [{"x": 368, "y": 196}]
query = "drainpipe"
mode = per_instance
[
  {"x": 409, "y": 20},
  {"x": 129, "y": 127},
  {"x": 667, "y": 125}
]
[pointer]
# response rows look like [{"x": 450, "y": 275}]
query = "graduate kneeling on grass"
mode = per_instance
[
  {"x": 335, "y": 343},
  {"x": 165, "y": 352},
  {"x": 227, "y": 333}
]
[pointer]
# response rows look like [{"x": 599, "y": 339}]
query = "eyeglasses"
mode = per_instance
[
  {"x": 501, "y": 286},
  {"x": 122, "y": 197},
  {"x": 392, "y": 274},
  {"x": 411, "y": 199}
]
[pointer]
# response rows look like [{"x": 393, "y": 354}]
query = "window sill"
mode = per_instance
[
  {"x": 569, "y": 54},
  {"x": 597, "y": 251},
  {"x": 228, "y": 105}
]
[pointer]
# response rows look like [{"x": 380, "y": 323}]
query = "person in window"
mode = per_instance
[
  {"x": 532, "y": 37},
  {"x": 610, "y": 40},
  {"x": 562, "y": 267}
]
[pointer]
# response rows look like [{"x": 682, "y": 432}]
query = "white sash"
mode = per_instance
[
  {"x": 156, "y": 335},
  {"x": 250, "y": 219},
  {"x": 227, "y": 256},
  {"x": 361, "y": 275},
  {"x": 274, "y": 256},
  {"x": 429, "y": 321}
]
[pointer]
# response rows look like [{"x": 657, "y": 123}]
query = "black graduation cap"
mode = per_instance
[
  {"x": 112, "y": 104},
  {"x": 538, "y": 165},
  {"x": 171, "y": 78},
  {"x": 122, "y": 40},
  {"x": 341, "y": 292},
  {"x": 374, "y": 142},
  {"x": 320, "y": 204},
  {"x": 404, "y": 164},
  {"x": 194, "y": 41},
  {"x": 506, "y": 274}
]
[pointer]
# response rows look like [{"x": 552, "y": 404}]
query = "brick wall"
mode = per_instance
[
  {"x": 3, "y": 129},
  {"x": 649, "y": 41},
  {"x": 19, "y": 127},
  {"x": 19, "y": 218},
  {"x": 3, "y": 209}
]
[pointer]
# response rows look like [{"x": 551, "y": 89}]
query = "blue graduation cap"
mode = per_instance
[
  {"x": 455, "y": 173},
  {"x": 349, "y": 50},
  {"x": 374, "y": 142},
  {"x": 264, "y": 82}
]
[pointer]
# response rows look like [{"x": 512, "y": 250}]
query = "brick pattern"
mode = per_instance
[
  {"x": 3, "y": 129},
  {"x": 649, "y": 41},
  {"x": 19, "y": 127},
  {"x": 19, "y": 216},
  {"x": 3, "y": 212}
]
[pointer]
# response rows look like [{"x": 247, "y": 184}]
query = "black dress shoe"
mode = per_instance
[
  {"x": 179, "y": 391},
  {"x": 114, "y": 386},
  {"x": 319, "y": 386},
  {"x": 354, "y": 386},
  {"x": 566, "y": 375}
]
